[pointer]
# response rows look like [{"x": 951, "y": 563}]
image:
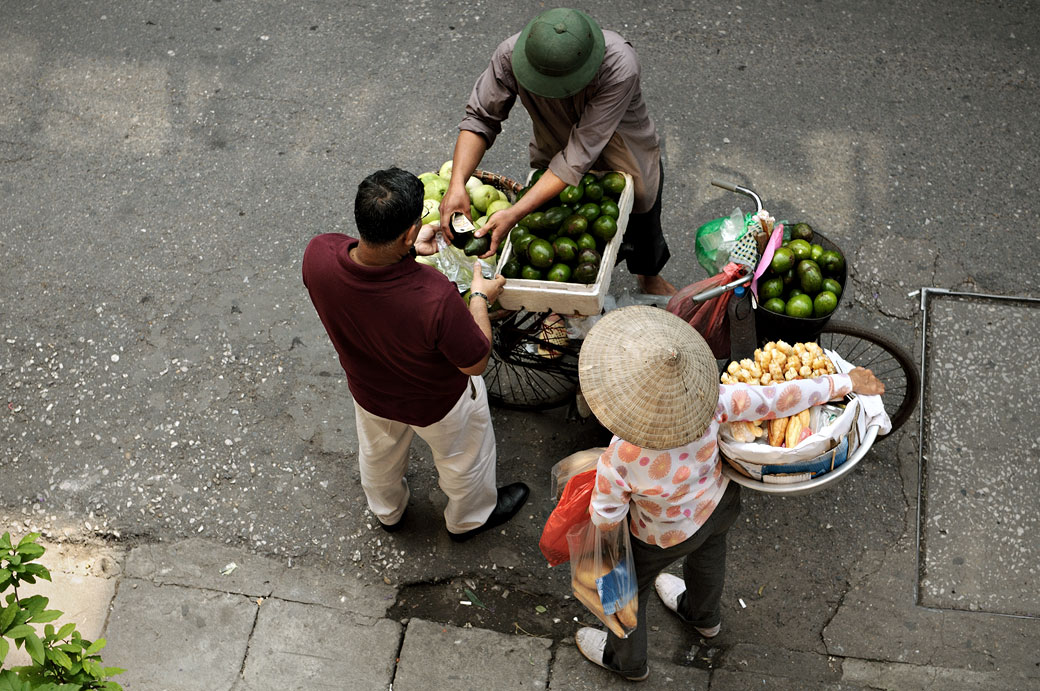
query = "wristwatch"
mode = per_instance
[{"x": 478, "y": 294}]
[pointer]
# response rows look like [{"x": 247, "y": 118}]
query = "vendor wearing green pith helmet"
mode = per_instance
[{"x": 580, "y": 85}]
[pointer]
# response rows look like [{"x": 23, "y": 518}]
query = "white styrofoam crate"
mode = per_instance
[{"x": 569, "y": 298}]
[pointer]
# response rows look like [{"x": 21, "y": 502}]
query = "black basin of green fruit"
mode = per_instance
[{"x": 821, "y": 281}]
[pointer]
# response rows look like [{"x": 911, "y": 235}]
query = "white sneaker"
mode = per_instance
[
  {"x": 592, "y": 642},
  {"x": 670, "y": 588}
]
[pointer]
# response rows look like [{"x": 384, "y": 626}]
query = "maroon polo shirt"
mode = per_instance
[{"x": 402, "y": 331}]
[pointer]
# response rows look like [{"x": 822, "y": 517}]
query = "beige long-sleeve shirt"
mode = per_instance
[{"x": 605, "y": 126}]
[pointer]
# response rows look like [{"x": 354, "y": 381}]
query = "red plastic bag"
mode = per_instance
[
  {"x": 573, "y": 508},
  {"x": 708, "y": 317}
]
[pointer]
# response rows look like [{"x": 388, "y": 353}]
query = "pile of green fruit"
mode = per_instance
[
  {"x": 564, "y": 239},
  {"x": 485, "y": 200},
  {"x": 803, "y": 279}
]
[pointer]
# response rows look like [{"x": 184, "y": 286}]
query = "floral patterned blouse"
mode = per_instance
[{"x": 672, "y": 493}]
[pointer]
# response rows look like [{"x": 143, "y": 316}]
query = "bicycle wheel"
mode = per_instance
[
  {"x": 889, "y": 362},
  {"x": 533, "y": 365}
]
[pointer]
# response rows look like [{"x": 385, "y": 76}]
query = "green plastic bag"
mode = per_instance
[{"x": 717, "y": 237}]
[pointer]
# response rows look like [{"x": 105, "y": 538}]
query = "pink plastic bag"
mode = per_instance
[
  {"x": 708, "y": 317},
  {"x": 775, "y": 240}
]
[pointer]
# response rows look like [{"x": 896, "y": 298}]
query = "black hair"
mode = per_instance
[{"x": 388, "y": 203}]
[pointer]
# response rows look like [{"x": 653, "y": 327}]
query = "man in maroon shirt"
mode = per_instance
[{"x": 413, "y": 353}]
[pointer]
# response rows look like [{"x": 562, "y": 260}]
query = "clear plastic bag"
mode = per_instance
[
  {"x": 603, "y": 575},
  {"x": 577, "y": 462},
  {"x": 453, "y": 263}
]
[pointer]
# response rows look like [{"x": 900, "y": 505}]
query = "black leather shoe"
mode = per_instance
[
  {"x": 511, "y": 499},
  {"x": 394, "y": 527}
]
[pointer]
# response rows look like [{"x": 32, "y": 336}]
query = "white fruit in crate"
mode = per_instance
[
  {"x": 482, "y": 196},
  {"x": 432, "y": 210},
  {"x": 427, "y": 176},
  {"x": 435, "y": 189},
  {"x": 497, "y": 205},
  {"x": 445, "y": 171}
]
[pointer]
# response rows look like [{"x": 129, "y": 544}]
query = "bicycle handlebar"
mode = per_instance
[
  {"x": 719, "y": 290},
  {"x": 733, "y": 187}
]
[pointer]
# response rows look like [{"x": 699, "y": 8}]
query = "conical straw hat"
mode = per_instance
[{"x": 649, "y": 377}]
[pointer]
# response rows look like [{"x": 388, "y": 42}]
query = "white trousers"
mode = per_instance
[{"x": 463, "y": 446}]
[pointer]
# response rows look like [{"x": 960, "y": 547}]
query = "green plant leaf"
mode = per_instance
[
  {"x": 112, "y": 671},
  {"x": 34, "y": 605},
  {"x": 64, "y": 631},
  {"x": 7, "y": 616},
  {"x": 34, "y": 646},
  {"x": 19, "y": 632},
  {"x": 20, "y": 616},
  {"x": 47, "y": 615},
  {"x": 9, "y": 681},
  {"x": 5, "y": 579},
  {"x": 30, "y": 551},
  {"x": 29, "y": 538},
  {"x": 95, "y": 646},
  {"x": 92, "y": 668},
  {"x": 38, "y": 570},
  {"x": 70, "y": 648},
  {"x": 59, "y": 658},
  {"x": 4, "y": 648},
  {"x": 5, "y": 541}
]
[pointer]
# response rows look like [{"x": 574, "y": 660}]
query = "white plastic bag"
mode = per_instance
[
  {"x": 812, "y": 446},
  {"x": 861, "y": 411}
]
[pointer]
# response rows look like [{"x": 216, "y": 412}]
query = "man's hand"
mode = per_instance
[
  {"x": 426, "y": 240},
  {"x": 455, "y": 200},
  {"x": 492, "y": 287},
  {"x": 864, "y": 382},
  {"x": 498, "y": 226}
]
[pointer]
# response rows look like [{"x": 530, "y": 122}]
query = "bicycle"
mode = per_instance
[{"x": 532, "y": 369}]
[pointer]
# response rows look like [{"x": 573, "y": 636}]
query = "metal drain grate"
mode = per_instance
[{"x": 978, "y": 507}]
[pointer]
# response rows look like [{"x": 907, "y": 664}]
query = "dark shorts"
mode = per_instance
[{"x": 644, "y": 246}]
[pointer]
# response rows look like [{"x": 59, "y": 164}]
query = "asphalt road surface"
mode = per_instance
[{"x": 163, "y": 165}]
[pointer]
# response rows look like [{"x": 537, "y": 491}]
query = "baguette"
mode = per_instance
[
  {"x": 586, "y": 573},
  {"x": 777, "y": 428},
  {"x": 590, "y": 598},
  {"x": 793, "y": 431},
  {"x": 627, "y": 614},
  {"x": 797, "y": 429}
]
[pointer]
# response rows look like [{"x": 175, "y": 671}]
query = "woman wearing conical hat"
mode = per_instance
[{"x": 652, "y": 380}]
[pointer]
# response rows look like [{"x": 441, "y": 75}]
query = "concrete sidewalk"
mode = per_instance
[{"x": 198, "y": 615}]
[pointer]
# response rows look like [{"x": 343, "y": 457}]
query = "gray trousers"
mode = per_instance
[{"x": 704, "y": 570}]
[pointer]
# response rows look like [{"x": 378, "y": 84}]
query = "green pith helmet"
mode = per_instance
[{"x": 558, "y": 53}]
